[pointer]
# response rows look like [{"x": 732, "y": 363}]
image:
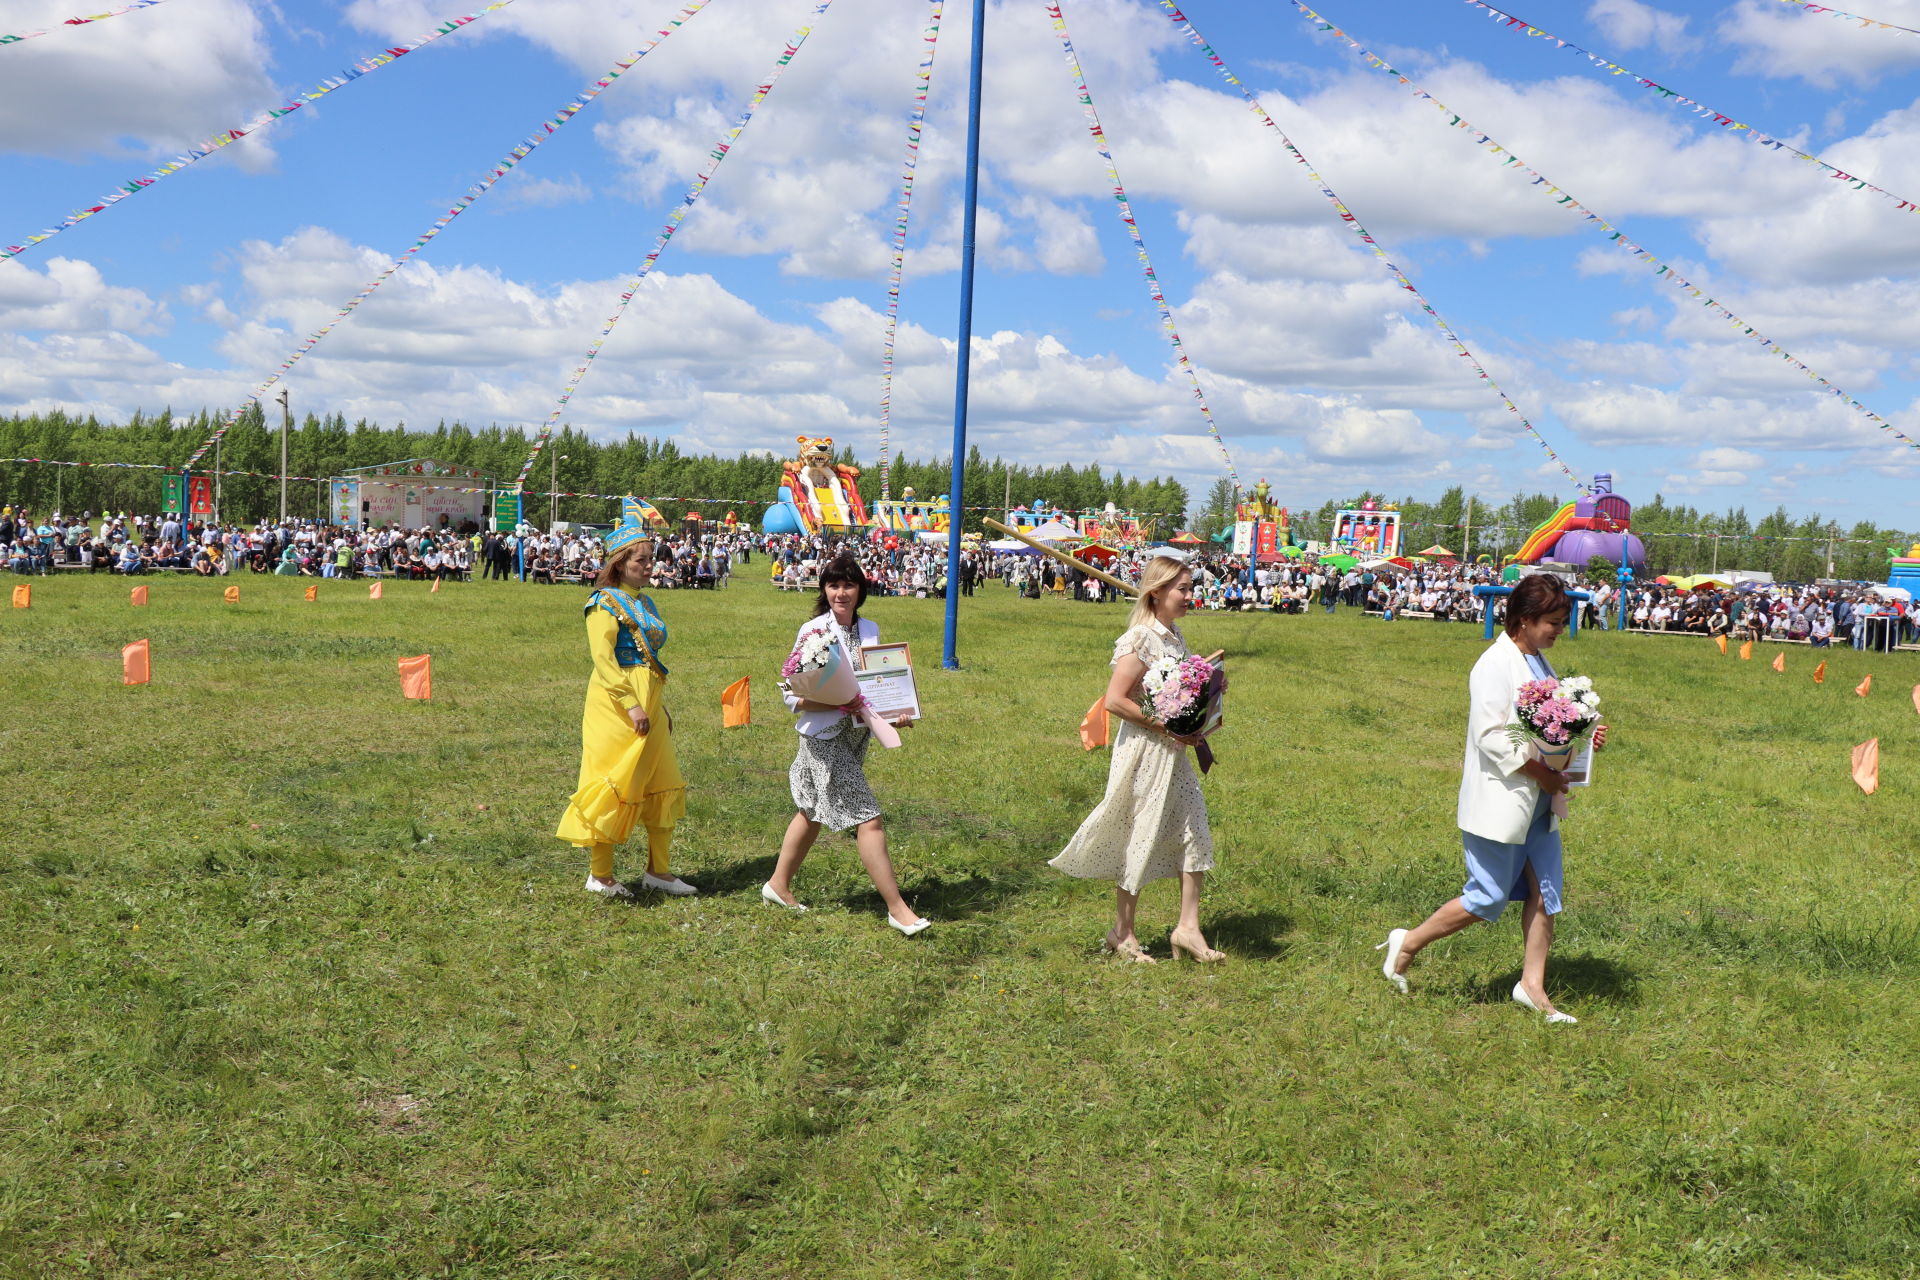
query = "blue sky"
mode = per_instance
[{"x": 763, "y": 318}]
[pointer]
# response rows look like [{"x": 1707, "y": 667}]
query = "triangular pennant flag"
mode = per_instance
[
  {"x": 416, "y": 677},
  {"x": 1722, "y": 642},
  {"x": 1819, "y": 672},
  {"x": 136, "y": 663},
  {"x": 1866, "y": 765},
  {"x": 736, "y": 704},
  {"x": 1094, "y": 725},
  {"x": 232, "y": 595},
  {"x": 139, "y": 595},
  {"x": 313, "y": 593},
  {"x": 23, "y": 597},
  {"x": 373, "y": 591},
  {"x": 1780, "y": 662},
  {"x": 1865, "y": 687},
  {"x": 1746, "y": 651},
  {"x": 435, "y": 588}
]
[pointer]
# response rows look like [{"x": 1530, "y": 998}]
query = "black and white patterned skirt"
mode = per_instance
[{"x": 829, "y": 779}]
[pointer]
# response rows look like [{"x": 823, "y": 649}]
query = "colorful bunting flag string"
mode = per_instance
[
  {"x": 1662, "y": 270},
  {"x": 1125, "y": 209},
  {"x": 499, "y": 170},
  {"x": 715, "y": 157},
  {"x": 1851, "y": 17},
  {"x": 539, "y": 444},
  {"x": 265, "y": 118},
  {"x": 1519, "y": 26},
  {"x": 81, "y": 22},
  {"x": 923, "y": 78},
  {"x": 1347, "y": 216}
]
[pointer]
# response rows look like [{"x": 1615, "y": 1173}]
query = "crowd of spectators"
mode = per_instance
[{"x": 705, "y": 558}]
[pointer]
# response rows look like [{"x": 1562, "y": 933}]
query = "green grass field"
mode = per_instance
[{"x": 297, "y": 983}]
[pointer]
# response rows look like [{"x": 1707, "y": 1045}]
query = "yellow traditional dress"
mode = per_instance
[{"x": 626, "y": 778}]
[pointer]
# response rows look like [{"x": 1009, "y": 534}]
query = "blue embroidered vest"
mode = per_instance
[{"x": 642, "y": 634}]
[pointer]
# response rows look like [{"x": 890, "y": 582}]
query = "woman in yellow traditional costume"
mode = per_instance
[{"x": 628, "y": 774}]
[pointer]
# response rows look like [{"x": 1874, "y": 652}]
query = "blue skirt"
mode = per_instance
[{"x": 1496, "y": 872}]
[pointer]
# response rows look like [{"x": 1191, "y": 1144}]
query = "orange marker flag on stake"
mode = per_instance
[
  {"x": 736, "y": 704},
  {"x": 416, "y": 677},
  {"x": 139, "y": 596},
  {"x": 1746, "y": 652},
  {"x": 1866, "y": 765},
  {"x": 1865, "y": 687},
  {"x": 232, "y": 595},
  {"x": 434, "y": 590},
  {"x": 373, "y": 591},
  {"x": 1722, "y": 642},
  {"x": 1094, "y": 726},
  {"x": 1780, "y": 662},
  {"x": 1819, "y": 672},
  {"x": 136, "y": 663},
  {"x": 23, "y": 597},
  {"x": 313, "y": 593}
]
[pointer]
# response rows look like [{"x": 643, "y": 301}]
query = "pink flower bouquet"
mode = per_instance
[
  {"x": 818, "y": 671},
  {"x": 1187, "y": 697},
  {"x": 1554, "y": 715}
]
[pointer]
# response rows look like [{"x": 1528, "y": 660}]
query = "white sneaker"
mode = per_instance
[
  {"x": 614, "y": 890},
  {"x": 675, "y": 887}
]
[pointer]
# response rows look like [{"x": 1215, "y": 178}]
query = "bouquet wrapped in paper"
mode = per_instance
[
  {"x": 1555, "y": 717},
  {"x": 1186, "y": 696},
  {"x": 818, "y": 670}
]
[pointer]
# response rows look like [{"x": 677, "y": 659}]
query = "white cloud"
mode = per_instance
[
  {"x": 146, "y": 83},
  {"x": 1823, "y": 49},
  {"x": 69, "y": 296},
  {"x": 1632, "y": 25}
]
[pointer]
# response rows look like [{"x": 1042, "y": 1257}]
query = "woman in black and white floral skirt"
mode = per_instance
[{"x": 828, "y": 776}]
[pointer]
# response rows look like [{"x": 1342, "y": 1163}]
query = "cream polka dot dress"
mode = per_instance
[{"x": 1152, "y": 823}]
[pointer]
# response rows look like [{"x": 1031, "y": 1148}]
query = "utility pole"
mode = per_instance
[
  {"x": 553, "y": 485},
  {"x": 1833, "y": 531},
  {"x": 286, "y": 425},
  {"x": 1466, "y": 545},
  {"x": 1716, "y": 554},
  {"x": 217, "y": 491}
]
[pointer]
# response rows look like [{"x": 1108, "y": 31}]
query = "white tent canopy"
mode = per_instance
[{"x": 1053, "y": 531}]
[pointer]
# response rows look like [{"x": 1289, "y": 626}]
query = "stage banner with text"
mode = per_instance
[{"x": 506, "y": 510}]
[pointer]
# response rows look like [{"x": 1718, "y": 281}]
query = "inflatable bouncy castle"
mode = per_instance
[
  {"x": 926, "y": 520},
  {"x": 1596, "y": 525},
  {"x": 1368, "y": 530},
  {"x": 817, "y": 495}
]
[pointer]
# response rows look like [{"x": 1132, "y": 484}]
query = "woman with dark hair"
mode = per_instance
[
  {"x": 629, "y": 775},
  {"x": 828, "y": 776},
  {"x": 1511, "y": 802}
]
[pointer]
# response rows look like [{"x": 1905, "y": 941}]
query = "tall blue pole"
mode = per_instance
[{"x": 956, "y": 492}]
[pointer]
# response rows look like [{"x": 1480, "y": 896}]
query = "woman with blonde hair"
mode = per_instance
[
  {"x": 1152, "y": 823},
  {"x": 628, "y": 773}
]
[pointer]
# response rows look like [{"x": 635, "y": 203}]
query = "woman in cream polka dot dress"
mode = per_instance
[{"x": 1152, "y": 823}]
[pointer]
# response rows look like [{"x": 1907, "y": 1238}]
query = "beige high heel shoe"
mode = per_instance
[
  {"x": 1200, "y": 955},
  {"x": 1131, "y": 952}
]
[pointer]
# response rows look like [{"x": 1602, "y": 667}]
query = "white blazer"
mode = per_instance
[
  {"x": 1496, "y": 799},
  {"x": 825, "y": 724}
]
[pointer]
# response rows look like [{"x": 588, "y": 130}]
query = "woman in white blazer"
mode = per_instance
[{"x": 1510, "y": 804}]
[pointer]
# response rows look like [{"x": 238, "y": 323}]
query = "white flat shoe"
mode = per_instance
[
  {"x": 614, "y": 890},
  {"x": 1392, "y": 947},
  {"x": 769, "y": 896},
  {"x": 676, "y": 888},
  {"x": 919, "y": 925},
  {"x": 1520, "y": 996}
]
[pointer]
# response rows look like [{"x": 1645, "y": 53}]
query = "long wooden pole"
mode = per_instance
[{"x": 1063, "y": 557}]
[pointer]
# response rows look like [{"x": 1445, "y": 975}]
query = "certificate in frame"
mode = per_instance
[{"x": 886, "y": 680}]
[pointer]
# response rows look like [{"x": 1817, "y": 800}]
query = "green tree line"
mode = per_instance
[{"x": 325, "y": 446}]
